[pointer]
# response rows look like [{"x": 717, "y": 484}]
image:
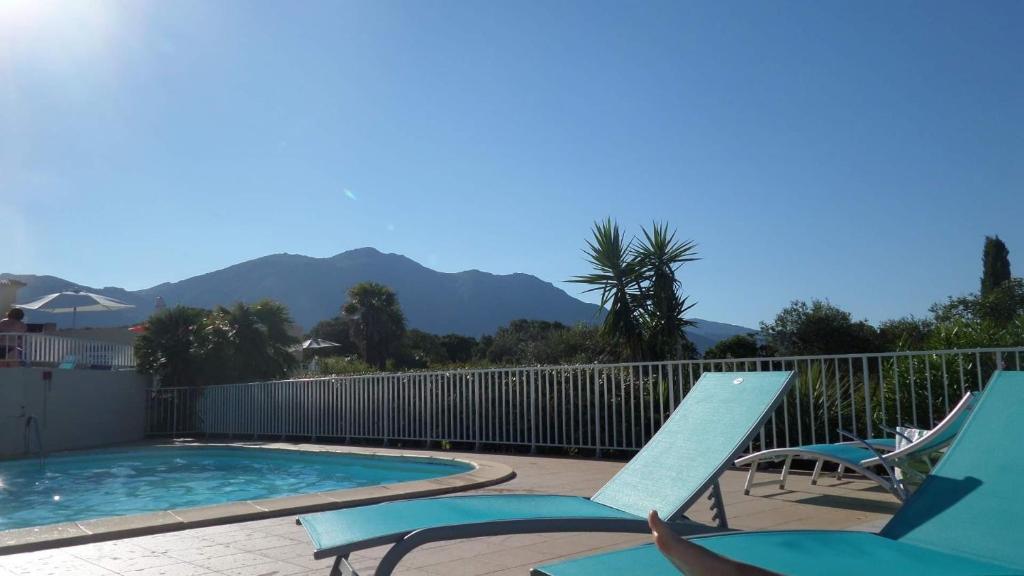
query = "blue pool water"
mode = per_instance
[{"x": 81, "y": 486}]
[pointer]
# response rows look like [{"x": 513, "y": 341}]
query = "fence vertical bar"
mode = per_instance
[
  {"x": 796, "y": 396},
  {"x": 881, "y": 389},
  {"x": 870, "y": 428},
  {"x": 945, "y": 385},
  {"x": 533, "y": 411},
  {"x": 597, "y": 413},
  {"x": 810, "y": 396},
  {"x": 977, "y": 364},
  {"x": 913, "y": 392}
]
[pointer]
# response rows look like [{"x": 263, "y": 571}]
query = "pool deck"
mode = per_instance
[{"x": 276, "y": 546}]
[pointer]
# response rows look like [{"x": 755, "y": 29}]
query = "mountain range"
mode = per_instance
[{"x": 469, "y": 302}]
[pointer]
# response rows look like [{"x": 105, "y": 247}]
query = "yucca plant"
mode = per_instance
[
  {"x": 617, "y": 278},
  {"x": 663, "y": 311},
  {"x": 646, "y": 316}
]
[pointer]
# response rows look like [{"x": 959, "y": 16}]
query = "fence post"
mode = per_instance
[
  {"x": 533, "y": 412},
  {"x": 429, "y": 390},
  {"x": 597, "y": 416},
  {"x": 867, "y": 398},
  {"x": 477, "y": 389},
  {"x": 384, "y": 394}
]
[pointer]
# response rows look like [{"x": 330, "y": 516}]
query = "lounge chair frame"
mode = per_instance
[
  {"x": 921, "y": 447},
  {"x": 407, "y": 544}
]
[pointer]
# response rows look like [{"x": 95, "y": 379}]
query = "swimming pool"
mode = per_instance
[{"x": 83, "y": 486}]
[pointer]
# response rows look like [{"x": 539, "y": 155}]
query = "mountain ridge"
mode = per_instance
[{"x": 471, "y": 302}]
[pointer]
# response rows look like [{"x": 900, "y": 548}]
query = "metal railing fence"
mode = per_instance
[
  {"x": 49, "y": 351},
  {"x": 602, "y": 407}
]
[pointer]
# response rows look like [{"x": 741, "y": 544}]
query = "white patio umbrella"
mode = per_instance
[
  {"x": 314, "y": 343},
  {"x": 75, "y": 301}
]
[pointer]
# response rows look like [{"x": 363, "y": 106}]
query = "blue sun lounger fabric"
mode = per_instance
[
  {"x": 963, "y": 520},
  {"x": 714, "y": 422}
]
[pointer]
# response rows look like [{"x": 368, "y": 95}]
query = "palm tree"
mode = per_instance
[
  {"x": 617, "y": 277},
  {"x": 275, "y": 320},
  {"x": 249, "y": 343},
  {"x": 662, "y": 310},
  {"x": 169, "y": 347},
  {"x": 378, "y": 322}
]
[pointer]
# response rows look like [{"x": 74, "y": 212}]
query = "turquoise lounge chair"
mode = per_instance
[
  {"x": 862, "y": 456},
  {"x": 964, "y": 520},
  {"x": 685, "y": 458}
]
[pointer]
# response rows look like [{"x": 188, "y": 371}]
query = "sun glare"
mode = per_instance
[
  {"x": 16, "y": 14},
  {"x": 59, "y": 37}
]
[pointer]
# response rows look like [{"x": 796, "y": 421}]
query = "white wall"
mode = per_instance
[{"x": 76, "y": 408}]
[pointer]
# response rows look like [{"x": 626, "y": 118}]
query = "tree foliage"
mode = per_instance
[
  {"x": 534, "y": 342},
  {"x": 961, "y": 333},
  {"x": 617, "y": 278},
  {"x": 170, "y": 348},
  {"x": 249, "y": 343},
  {"x": 995, "y": 269},
  {"x": 818, "y": 328},
  {"x": 195, "y": 347},
  {"x": 662, "y": 310},
  {"x": 738, "y": 346},
  {"x": 994, "y": 316},
  {"x": 645, "y": 314},
  {"x": 378, "y": 323},
  {"x": 458, "y": 348},
  {"x": 903, "y": 334},
  {"x": 422, "y": 350},
  {"x": 521, "y": 342}
]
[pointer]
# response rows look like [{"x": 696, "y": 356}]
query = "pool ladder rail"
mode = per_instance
[{"x": 32, "y": 424}]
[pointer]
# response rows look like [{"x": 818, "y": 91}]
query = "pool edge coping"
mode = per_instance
[{"x": 30, "y": 539}]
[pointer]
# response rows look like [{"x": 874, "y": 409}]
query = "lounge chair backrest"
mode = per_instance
[
  {"x": 971, "y": 503},
  {"x": 714, "y": 422},
  {"x": 941, "y": 435}
]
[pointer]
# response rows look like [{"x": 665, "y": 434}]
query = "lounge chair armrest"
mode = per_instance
[
  {"x": 881, "y": 459},
  {"x": 863, "y": 443}
]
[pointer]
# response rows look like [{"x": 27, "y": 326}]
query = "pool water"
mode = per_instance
[{"x": 82, "y": 486}]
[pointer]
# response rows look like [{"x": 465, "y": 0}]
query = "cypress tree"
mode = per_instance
[{"x": 995, "y": 265}]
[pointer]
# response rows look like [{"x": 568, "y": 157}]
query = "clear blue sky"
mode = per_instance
[{"x": 856, "y": 151}]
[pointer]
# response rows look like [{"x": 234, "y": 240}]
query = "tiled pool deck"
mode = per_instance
[{"x": 278, "y": 547}]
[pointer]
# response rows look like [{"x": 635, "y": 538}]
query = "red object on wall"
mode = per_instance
[{"x": 47, "y": 375}]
